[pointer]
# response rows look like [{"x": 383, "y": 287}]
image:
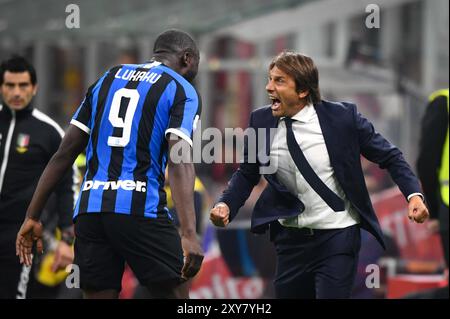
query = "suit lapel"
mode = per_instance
[
  {"x": 329, "y": 130},
  {"x": 271, "y": 124}
]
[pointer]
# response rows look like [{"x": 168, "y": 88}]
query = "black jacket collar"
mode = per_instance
[{"x": 19, "y": 114}]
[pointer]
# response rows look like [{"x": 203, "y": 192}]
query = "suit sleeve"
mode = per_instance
[
  {"x": 242, "y": 182},
  {"x": 379, "y": 150},
  {"x": 432, "y": 139}
]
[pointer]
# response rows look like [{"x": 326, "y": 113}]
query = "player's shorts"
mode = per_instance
[{"x": 105, "y": 241}]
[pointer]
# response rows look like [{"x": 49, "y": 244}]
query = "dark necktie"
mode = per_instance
[{"x": 336, "y": 203}]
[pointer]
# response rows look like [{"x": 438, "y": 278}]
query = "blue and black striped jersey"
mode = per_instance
[{"x": 128, "y": 113}]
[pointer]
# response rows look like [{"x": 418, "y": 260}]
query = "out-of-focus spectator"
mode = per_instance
[
  {"x": 128, "y": 56},
  {"x": 28, "y": 139},
  {"x": 202, "y": 202},
  {"x": 433, "y": 166}
]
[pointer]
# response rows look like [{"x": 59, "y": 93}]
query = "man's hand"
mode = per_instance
[
  {"x": 63, "y": 256},
  {"x": 417, "y": 211},
  {"x": 220, "y": 215},
  {"x": 30, "y": 232},
  {"x": 193, "y": 256}
]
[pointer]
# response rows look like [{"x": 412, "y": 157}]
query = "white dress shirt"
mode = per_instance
[{"x": 317, "y": 214}]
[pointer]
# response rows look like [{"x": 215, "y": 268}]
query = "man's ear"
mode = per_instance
[
  {"x": 35, "y": 88},
  {"x": 189, "y": 57},
  {"x": 186, "y": 58},
  {"x": 303, "y": 94}
]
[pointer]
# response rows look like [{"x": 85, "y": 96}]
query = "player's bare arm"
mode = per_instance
[
  {"x": 72, "y": 144},
  {"x": 182, "y": 178}
]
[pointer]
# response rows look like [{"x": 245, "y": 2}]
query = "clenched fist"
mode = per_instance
[
  {"x": 417, "y": 211},
  {"x": 220, "y": 215}
]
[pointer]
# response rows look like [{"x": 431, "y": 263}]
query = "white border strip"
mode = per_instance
[
  {"x": 179, "y": 134},
  {"x": 45, "y": 118},
  {"x": 81, "y": 126}
]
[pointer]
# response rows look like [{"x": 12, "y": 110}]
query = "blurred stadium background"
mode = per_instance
[{"x": 388, "y": 71}]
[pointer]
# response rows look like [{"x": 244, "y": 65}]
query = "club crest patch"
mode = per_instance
[{"x": 23, "y": 140}]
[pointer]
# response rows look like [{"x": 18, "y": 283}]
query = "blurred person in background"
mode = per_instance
[
  {"x": 28, "y": 139},
  {"x": 317, "y": 200},
  {"x": 127, "y": 56},
  {"x": 433, "y": 166},
  {"x": 130, "y": 120},
  {"x": 202, "y": 203}
]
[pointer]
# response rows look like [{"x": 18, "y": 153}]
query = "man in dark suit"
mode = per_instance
[{"x": 316, "y": 199}]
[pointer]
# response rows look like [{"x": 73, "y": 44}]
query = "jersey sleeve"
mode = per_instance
[
  {"x": 83, "y": 116},
  {"x": 185, "y": 113}
]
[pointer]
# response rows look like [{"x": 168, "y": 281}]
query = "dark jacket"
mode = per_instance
[
  {"x": 432, "y": 140},
  {"x": 28, "y": 139},
  {"x": 347, "y": 135}
]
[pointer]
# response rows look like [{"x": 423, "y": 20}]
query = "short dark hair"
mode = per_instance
[
  {"x": 17, "y": 64},
  {"x": 302, "y": 69},
  {"x": 174, "y": 41}
]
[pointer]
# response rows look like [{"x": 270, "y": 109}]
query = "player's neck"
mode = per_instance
[{"x": 168, "y": 60}]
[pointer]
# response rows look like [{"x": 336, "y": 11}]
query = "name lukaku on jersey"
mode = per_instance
[
  {"x": 133, "y": 75},
  {"x": 127, "y": 185}
]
